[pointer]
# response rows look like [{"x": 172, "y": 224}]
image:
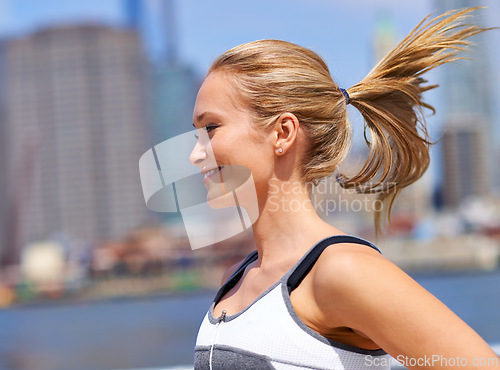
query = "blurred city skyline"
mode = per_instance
[
  {"x": 195, "y": 32},
  {"x": 79, "y": 82},
  {"x": 341, "y": 33},
  {"x": 88, "y": 86}
]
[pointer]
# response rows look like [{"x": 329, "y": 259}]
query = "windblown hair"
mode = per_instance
[{"x": 273, "y": 77}]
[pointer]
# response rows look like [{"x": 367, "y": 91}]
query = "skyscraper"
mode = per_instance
[
  {"x": 466, "y": 84},
  {"x": 156, "y": 21},
  {"x": 173, "y": 94},
  {"x": 384, "y": 36},
  {"x": 465, "y": 171},
  {"x": 3, "y": 170},
  {"x": 76, "y": 122},
  {"x": 467, "y": 144}
]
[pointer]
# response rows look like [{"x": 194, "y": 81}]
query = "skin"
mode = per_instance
[{"x": 368, "y": 302}]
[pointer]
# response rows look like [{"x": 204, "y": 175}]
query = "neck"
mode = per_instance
[{"x": 288, "y": 225}]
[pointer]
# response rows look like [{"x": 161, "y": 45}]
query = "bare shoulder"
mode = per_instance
[
  {"x": 356, "y": 287},
  {"x": 353, "y": 269},
  {"x": 348, "y": 260}
]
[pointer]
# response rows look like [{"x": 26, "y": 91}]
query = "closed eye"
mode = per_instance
[
  {"x": 211, "y": 127},
  {"x": 207, "y": 128}
]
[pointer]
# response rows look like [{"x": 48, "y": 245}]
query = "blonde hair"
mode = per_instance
[{"x": 274, "y": 77}]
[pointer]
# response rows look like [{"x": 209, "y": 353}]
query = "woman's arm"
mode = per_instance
[{"x": 369, "y": 294}]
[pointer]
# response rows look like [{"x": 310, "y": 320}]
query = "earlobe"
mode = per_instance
[{"x": 287, "y": 127}]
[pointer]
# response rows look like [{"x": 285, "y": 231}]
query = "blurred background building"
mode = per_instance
[
  {"x": 80, "y": 101},
  {"x": 80, "y": 104},
  {"x": 470, "y": 142},
  {"x": 83, "y": 97},
  {"x": 4, "y": 198},
  {"x": 173, "y": 93},
  {"x": 75, "y": 115},
  {"x": 466, "y": 160}
]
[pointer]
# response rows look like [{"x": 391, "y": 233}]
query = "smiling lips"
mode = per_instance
[{"x": 211, "y": 173}]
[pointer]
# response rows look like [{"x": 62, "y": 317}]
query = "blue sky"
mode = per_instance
[{"x": 340, "y": 31}]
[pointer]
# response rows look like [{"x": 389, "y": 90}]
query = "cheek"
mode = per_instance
[
  {"x": 244, "y": 150},
  {"x": 261, "y": 163},
  {"x": 221, "y": 150}
]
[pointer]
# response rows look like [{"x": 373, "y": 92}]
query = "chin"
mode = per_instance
[
  {"x": 218, "y": 197},
  {"x": 237, "y": 189}
]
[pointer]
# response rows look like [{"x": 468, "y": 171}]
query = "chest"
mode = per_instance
[
  {"x": 242, "y": 295},
  {"x": 268, "y": 329},
  {"x": 300, "y": 303}
]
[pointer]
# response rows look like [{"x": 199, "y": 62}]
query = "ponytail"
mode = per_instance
[
  {"x": 390, "y": 100},
  {"x": 273, "y": 77}
]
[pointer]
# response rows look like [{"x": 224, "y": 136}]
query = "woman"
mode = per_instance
[{"x": 311, "y": 296}]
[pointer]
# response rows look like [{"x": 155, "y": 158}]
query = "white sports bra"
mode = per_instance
[{"x": 268, "y": 334}]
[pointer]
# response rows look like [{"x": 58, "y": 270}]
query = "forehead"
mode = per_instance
[{"x": 218, "y": 95}]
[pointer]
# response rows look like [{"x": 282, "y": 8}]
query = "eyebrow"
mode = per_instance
[
  {"x": 198, "y": 118},
  {"x": 203, "y": 115}
]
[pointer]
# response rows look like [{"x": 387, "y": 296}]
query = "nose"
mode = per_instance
[{"x": 198, "y": 154}]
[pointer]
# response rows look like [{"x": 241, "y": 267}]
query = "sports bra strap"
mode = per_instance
[
  {"x": 310, "y": 259},
  {"x": 235, "y": 277},
  {"x": 302, "y": 269}
]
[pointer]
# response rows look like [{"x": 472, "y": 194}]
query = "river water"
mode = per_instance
[{"x": 161, "y": 331}]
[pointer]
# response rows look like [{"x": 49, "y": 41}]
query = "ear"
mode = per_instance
[{"x": 286, "y": 130}]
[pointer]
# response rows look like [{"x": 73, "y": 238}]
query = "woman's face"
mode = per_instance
[{"x": 237, "y": 146}]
